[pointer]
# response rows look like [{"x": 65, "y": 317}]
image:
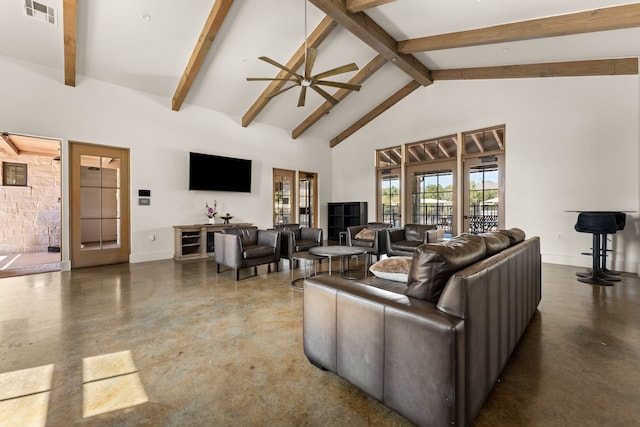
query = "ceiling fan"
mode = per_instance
[{"x": 308, "y": 80}]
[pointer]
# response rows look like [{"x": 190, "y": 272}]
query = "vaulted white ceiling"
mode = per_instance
[{"x": 146, "y": 44}]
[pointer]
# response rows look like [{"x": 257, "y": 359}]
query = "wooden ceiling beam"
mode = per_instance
[
  {"x": 381, "y": 108},
  {"x": 211, "y": 27},
  {"x": 496, "y": 136},
  {"x": 365, "y": 72},
  {"x": 316, "y": 37},
  {"x": 69, "y": 18},
  {"x": 355, "y": 6},
  {"x": 610, "y": 18},
  {"x": 598, "y": 67},
  {"x": 367, "y": 30},
  {"x": 7, "y": 139}
]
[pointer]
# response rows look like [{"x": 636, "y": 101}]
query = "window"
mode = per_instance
[
  {"x": 14, "y": 174},
  {"x": 455, "y": 182},
  {"x": 432, "y": 199},
  {"x": 389, "y": 162},
  {"x": 436, "y": 149}
]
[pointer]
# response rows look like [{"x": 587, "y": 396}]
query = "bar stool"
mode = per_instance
[
  {"x": 599, "y": 224},
  {"x": 621, "y": 220}
]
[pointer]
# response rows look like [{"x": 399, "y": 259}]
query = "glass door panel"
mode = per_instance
[
  {"x": 99, "y": 202},
  {"x": 389, "y": 207},
  {"x": 283, "y": 196},
  {"x": 307, "y": 212},
  {"x": 432, "y": 199},
  {"x": 484, "y": 210}
]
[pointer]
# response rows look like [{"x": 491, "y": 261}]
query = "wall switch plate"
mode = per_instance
[{"x": 144, "y": 201}]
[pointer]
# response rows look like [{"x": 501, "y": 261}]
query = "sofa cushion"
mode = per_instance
[
  {"x": 495, "y": 242},
  {"x": 434, "y": 263},
  {"x": 515, "y": 235},
  {"x": 416, "y": 232},
  {"x": 366, "y": 234},
  {"x": 304, "y": 245},
  {"x": 257, "y": 251},
  {"x": 405, "y": 245},
  {"x": 394, "y": 268}
]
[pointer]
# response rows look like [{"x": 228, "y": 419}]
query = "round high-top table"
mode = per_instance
[{"x": 342, "y": 252}]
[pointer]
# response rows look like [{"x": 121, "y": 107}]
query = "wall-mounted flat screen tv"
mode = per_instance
[{"x": 216, "y": 173}]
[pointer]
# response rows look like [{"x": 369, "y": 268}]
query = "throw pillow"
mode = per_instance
[
  {"x": 434, "y": 263},
  {"x": 366, "y": 234},
  {"x": 393, "y": 268}
]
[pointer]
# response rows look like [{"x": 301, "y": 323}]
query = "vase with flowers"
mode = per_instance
[{"x": 211, "y": 212}]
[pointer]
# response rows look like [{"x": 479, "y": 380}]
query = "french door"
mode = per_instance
[
  {"x": 389, "y": 202},
  {"x": 483, "y": 194},
  {"x": 308, "y": 201},
  {"x": 432, "y": 195},
  {"x": 99, "y": 195}
]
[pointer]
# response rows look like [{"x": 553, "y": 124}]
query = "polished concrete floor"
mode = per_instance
[
  {"x": 175, "y": 344},
  {"x": 28, "y": 263}
]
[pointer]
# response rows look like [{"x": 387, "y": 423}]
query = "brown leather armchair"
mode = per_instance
[
  {"x": 241, "y": 247},
  {"x": 372, "y": 236},
  {"x": 294, "y": 238},
  {"x": 404, "y": 241}
]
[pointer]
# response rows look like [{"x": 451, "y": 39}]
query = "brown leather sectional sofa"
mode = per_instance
[{"x": 431, "y": 348}]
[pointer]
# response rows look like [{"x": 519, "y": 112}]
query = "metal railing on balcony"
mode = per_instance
[
  {"x": 434, "y": 213},
  {"x": 483, "y": 218}
]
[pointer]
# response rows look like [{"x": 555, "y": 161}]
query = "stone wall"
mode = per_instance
[{"x": 30, "y": 216}]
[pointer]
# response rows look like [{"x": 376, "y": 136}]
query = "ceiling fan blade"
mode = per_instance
[
  {"x": 337, "y": 70},
  {"x": 282, "y": 67},
  {"x": 324, "y": 94},
  {"x": 338, "y": 84},
  {"x": 283, "y": 90},
  {"x": 301, "y": 98},
  {"x": 259, "y": 79},
  {"x": 309, "y": 60}
]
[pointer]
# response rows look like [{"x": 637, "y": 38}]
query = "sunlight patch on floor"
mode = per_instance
[
  {"x": 24, "y": 396},
  {"x": 110, "y": 382}
]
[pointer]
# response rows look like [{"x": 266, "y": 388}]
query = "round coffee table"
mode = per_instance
[
  {"x": 304, "y": 257},
  {"x": 342, "y": 252}
]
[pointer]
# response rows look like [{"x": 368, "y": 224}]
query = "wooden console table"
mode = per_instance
[{"x": 191, "y": 240}]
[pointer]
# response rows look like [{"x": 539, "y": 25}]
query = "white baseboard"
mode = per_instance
[
  {"x": 586, "y": 261},
  {"x": 150, "y": 256}
]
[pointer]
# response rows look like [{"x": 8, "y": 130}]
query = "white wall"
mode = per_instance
[
  {"x": 572, "y": 144},
  {"x": 35, "y": 102}
]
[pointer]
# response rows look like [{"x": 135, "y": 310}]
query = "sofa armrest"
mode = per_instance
[
  {"x": 287, "y": 243},
  {"x": 433, "y": 236},
  {"x": 398, "y": 349},
  {"x": 352, "y": 231},
  {"x": 270, "y": 238},
  {"x": 228, "y": 249}
]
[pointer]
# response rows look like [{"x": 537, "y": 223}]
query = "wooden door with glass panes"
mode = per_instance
[
  {"x": 284, "y": 196},
  {"x": 99, "y": 195}
]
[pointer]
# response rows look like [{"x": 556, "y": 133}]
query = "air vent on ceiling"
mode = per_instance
[{"x": 40, "y": 11}]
